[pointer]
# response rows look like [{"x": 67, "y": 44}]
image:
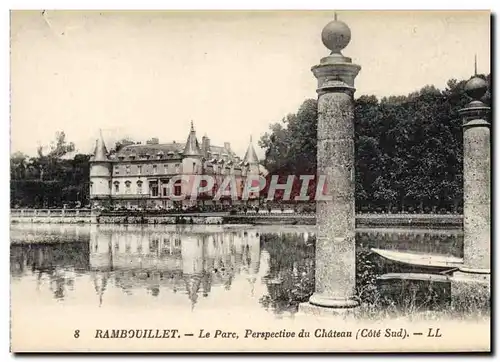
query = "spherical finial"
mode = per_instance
[
  {"x": 336, "y": 35},
  {"x": 476, "y": 88}
]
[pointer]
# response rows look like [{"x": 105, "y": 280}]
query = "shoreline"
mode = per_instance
[{"x": 362, "y": 220}]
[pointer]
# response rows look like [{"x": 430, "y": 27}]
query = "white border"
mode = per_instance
[{"x": 185, "y": 4}]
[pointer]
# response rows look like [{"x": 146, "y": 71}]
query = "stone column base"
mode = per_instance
[
  {"x": 315, "y": 310},
  {"x": 322, "y": 305},
  {"x": 471, "y": 289}
]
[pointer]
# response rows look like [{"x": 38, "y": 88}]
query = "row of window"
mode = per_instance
[
  {"x": 154, "y": 170},
  {"x": 153, "y": 188},
  {"x": 157, "y": 169}
]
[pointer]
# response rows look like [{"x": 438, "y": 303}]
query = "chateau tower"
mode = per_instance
[
  {"x": 251, "y": 167},
  {"x": 192, "y": 164},
  {"x": 100, "y": 175},
  {"x": 192, "y": 155},
  {"x": 251, "y": 159}
]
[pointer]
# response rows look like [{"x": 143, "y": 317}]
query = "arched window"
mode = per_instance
[
  {"x": 91, "y": 187},
  {"x": 117, "y": 186},
  {"x": 139, "y": 187},
  {"x": 127, "y": 186}
]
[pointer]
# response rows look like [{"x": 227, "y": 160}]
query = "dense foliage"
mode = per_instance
[
  {"x": 51, "y": 178},
  {"x": 408, "y": 149}
]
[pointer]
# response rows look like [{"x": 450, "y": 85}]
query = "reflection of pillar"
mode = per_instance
[
  {"x": 207, "y": 283},
  {"x": 100, "y": 280},
  {"x": 192, "y": 254},
  {"x": 238, "y": 250},
  {"x": 253, "y": 258},
  {"x": 101, "y": 249},
  {"x": 335, "y": 244},
  {"x": 59, "y": 281},
  {"x": 254, "y": 253},
  {"x": 192, "y": 251},
  {"x": 477, "y": 172},
  {"x": 210, "y": 254}
]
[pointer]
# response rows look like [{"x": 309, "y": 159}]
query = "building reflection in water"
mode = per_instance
[{"x": 186, "y": 259}]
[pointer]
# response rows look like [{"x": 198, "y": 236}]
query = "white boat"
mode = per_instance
[{"x": 431, "y": 261}]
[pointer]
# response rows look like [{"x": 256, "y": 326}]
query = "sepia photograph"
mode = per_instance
[{"x": 250, "y": 181}]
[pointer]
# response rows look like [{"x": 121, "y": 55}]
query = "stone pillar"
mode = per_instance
[
  {"x": 335, "y": 272},
  {"x": 477, "y": 186}
]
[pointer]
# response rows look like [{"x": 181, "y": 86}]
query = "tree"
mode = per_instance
[
  {"x": 408, "y": 149},
  {"x": 18, "y": 165},
  {"x": 47, "y": 179},
  {"x": 121, "y": 143}
]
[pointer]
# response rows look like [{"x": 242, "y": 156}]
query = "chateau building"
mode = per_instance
[{"x": 139, "y": 175}]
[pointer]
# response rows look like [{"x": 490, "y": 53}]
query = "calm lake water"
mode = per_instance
[{"x": 194, "y": 267}]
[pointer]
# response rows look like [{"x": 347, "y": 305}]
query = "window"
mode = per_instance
[
  {"x": 117, "y": 186},
  {"x": 166, "y": 168},
  {"x": 127, "y": 187},
  {"x": 153, "y": 186},
  {"x": 127, "y": 169},
  {"x": 139, "y": 187},
  {"x": 153, "y": 245},
  {"x": 177, "y": 188},
  {"x": 177, "y": 168},
  {"x": 139, "y": 169},
  {"x": 154, "y": 170},
  {"x": 117, "y": 170},
  {"x": 91, "y": 187},
  {"x": 194, "y": 167}
]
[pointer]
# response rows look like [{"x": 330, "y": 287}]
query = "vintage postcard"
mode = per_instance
[{"x": 250, "y": 181}]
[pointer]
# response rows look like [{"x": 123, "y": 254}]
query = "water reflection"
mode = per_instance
[
  {"x": 191, "y": 260},
  {"x": 439, "y": 241},
  {"x": 270, "y": 267}
]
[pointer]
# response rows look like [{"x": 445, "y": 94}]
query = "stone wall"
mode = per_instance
[{"x": 53, "y": 219}]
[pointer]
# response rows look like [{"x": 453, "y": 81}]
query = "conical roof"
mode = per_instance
[
  {"x": 192, "y": 147},
  {"x": 100, "y": 151},
  {"x": 251, "y": 155}
]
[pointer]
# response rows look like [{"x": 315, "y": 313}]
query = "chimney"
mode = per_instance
[
  {"x": 227, "y": 146},
  {"x": 205, "y": 146}
]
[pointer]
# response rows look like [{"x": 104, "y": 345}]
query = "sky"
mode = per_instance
[{"x": 143, "y": 74}]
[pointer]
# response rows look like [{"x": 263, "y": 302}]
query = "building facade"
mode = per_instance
[{"x": 150, "y": 176}]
